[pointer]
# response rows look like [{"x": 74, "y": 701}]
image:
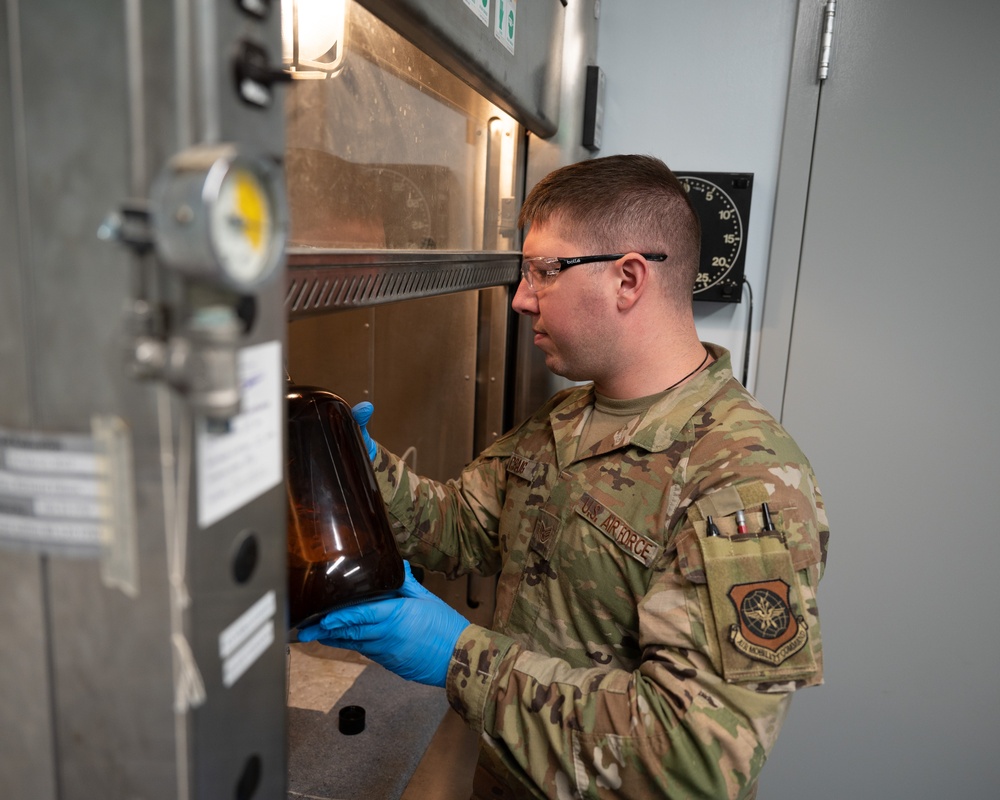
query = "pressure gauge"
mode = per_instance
[
  {"x": 220, "y": 216},
  {"x": 722, "y": 200}
]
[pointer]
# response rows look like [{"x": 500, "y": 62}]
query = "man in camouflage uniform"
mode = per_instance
[{"x": 658, "y": 535}]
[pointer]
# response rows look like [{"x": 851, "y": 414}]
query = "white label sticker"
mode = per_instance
[
  {"x": 506, "y": 23},
  {"x": 14, "y": 483},
  {"x": 244, "y": 658},
  {"x": 51, "y": 491},
  {"x": 241, "y": 464},
  {"x": 246, "y": 639},
  {"x": 40, "y": 533},
  {"x": 481, "y": 9}
]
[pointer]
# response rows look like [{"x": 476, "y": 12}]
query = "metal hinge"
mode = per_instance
[{"x": 826, "y": 43}]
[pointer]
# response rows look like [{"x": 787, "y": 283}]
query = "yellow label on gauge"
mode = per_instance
[{"x": 251, "y": 205}]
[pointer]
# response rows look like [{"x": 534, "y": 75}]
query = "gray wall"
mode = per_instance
[
  {"x": 703, "y": 86},
  {"x": 891, "y": 388}
]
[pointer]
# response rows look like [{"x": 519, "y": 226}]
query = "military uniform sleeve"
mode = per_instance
[
  {"x": 448, "y": 527},
  {"x": 451, "y": 527}
]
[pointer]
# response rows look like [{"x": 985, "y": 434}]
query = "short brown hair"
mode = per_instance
[{"x": 621, "y": 203}]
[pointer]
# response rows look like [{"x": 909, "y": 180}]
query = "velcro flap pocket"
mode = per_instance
[{"x": 757, "y": 607}]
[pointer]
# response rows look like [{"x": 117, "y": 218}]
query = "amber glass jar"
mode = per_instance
[{"x": 340, "y": 544}]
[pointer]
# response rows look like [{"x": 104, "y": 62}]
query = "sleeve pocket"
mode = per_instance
[{"x": 756, "y": 605}]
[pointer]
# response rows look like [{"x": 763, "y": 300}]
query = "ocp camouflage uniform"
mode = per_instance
[{"x": 631, "y": 654}]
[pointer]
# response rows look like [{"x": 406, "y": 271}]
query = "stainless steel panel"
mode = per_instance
[
  {"x": 425, "y": 379},
  {"x": 415, "y": 361},
  {"x": 524, "y": 83},
  {"x": 96, "y": 97},
  {"x": 13, "y": 359},
  {"x": 336, "y": 352},
  {"x": 492, "y": 366}
]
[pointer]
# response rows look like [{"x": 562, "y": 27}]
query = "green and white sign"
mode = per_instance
[
  {"x": 481, "y": 9},
  {"x": 506, "y": 23}
]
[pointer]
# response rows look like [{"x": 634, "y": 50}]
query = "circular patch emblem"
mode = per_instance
[{"x": 764, "y": 613}]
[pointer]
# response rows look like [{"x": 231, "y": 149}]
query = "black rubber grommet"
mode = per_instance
[{"x": 352, "y": 720}]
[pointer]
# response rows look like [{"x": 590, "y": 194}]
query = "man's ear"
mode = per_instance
[{"x": 633, "y": 277}]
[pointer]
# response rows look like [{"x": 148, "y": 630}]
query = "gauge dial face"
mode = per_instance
[
  {"x": 720, "y": 274},
  {"x": 408, "y": 223},
  {"x": 220, "y": 216},
  {"x": 242, "y": 226}
]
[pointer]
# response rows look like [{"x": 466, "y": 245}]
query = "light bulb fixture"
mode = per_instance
[{"x": 313, "y": 37}]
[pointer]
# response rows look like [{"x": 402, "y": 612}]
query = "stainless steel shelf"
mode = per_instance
[{"x": 323, "y": 281}]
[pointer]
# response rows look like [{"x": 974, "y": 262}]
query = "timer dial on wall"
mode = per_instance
[
  {"x": 408, "y": 225},
  {"x": 722, "y": 200}
]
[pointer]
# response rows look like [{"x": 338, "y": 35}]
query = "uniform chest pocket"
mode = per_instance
[{"x": 756, "y": 605}]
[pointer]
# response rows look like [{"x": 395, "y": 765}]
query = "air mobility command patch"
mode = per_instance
[{"x": 766, "y": 629}]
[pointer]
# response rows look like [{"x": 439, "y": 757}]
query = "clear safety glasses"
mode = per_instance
[{"x": 540, "y": 271}]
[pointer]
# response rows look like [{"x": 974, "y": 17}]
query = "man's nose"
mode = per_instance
[{"x": 525, "y": 301}]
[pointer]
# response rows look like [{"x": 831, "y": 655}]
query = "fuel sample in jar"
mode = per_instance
[{"x": 340, "y": 544}]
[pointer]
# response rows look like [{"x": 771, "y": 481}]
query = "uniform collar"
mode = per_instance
[{"x": 657, "y": 428}]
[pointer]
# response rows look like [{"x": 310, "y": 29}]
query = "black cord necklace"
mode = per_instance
[{"x": 692, "y": 372}]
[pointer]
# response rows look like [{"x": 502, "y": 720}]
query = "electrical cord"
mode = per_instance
[{"x": 746, "y": 351}]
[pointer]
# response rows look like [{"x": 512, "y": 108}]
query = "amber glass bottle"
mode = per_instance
[{"x": 340, "y": 544}]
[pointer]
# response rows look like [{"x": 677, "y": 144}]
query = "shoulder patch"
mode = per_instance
[{"x": 766, "y": 629}]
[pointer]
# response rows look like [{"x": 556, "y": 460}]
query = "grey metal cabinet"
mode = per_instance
[{"x": 880, "y": 340}]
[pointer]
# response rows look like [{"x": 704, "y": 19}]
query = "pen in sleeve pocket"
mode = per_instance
[
  {"x": 768, "y": 525},
  {"x": 741, "y": 522}
]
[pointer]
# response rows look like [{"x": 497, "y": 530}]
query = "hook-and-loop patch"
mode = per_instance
[{"x": 756, "y": 602}]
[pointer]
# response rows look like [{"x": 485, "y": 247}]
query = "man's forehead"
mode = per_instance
[{"x": 553, "y": 230}]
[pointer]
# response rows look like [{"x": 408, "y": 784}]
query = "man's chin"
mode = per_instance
[{"x": 558, "y": 367}]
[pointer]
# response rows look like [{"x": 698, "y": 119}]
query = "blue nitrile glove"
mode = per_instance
[
  {"x": 362, "y": 412},
  {"x": 413, "y": 635}
]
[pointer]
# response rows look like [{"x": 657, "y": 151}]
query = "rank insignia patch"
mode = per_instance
[{"x": 766, "y": 629}]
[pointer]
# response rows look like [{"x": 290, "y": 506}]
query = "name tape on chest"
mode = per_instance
[
  {"x": 641, "y": 548},
  {"x": 522, "y": 467}
]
